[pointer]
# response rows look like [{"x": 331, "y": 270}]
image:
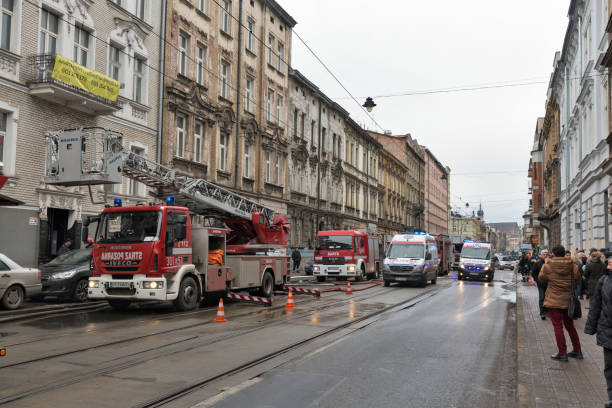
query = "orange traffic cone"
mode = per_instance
[
  {"x": 349, "y": 291},
  {"x": 220, "y": 313},
  {"x": 290, "y": 304},
  {"x": 530, "y": 282}
]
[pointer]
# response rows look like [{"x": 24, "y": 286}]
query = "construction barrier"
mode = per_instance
[
  {"x": 314, "y": 292},
  {"x": 249, "y": 298}
]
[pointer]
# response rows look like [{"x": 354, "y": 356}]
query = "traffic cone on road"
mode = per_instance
[
  {"x": 220, "y": 313},
  {"x": 530, "y": 281},
  {"x": 348, "y": 290},
  {"x": 290, "y": 304}
]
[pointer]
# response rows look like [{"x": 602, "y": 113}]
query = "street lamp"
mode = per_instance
[{"x": 369, "y": 104}]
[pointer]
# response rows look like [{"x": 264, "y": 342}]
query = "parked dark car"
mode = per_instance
[
  {"x": 308, "y": 267},
  {"x": 67, "y": 276}
]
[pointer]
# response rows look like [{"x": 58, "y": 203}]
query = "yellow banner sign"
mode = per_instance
[{"x": 69, "y": 72}]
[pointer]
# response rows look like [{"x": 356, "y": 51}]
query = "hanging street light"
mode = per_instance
[{"x": 369, "y": 104}]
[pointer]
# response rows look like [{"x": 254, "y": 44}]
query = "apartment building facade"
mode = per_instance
[
  {"x": 116, "y": 39},
  {"x": 437, "y": 205},
  {"x": 226, "y": 95}
]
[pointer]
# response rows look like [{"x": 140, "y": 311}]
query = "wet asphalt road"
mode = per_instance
[{"x": 454, "y": 349}]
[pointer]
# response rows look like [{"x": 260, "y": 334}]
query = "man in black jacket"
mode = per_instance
[
  {"x": 297, "y": 259},
  {"x": 600, "y": 322},
  {"x": 535, "y": 271}
]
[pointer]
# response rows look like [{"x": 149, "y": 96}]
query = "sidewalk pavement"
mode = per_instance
[{"x": 543, "y": 382}]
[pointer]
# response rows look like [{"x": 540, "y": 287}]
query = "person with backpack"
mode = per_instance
[{"x": 599, "y": 322}]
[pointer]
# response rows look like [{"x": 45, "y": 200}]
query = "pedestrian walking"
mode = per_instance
[
  {"x": 297, "y": 258},
  {"x": 600, "y": 323},
  {"x": 64, "y": 248},
  {"x": 556, "y": 275},
  {"x": 535, "y": 271},
  {"x": 593, "y": 270}
]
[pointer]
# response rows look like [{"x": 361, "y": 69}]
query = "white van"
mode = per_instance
[
  {"x": 476, "y": 261},
  {"x": 411, "y": 258}
]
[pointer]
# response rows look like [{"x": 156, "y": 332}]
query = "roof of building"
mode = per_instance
[
  {"x": 504, "y": 226},
  {"x": 281, "y": 12}
]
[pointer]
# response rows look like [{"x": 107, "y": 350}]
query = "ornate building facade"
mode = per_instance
[
  {"x": 116, "y": 39},
  {"x": 219, "y": 74},
  {"x": 437, "y": 203}
]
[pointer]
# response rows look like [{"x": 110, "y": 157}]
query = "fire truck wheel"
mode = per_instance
[
  {"x": 119, "y": 305},
  {"x": 188, "y": 295},
  {"x": 267, "y": 285}
]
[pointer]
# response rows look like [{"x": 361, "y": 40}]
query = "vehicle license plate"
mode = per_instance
[
  {"x": 118, "y": 284},
  {"x": 401, "y": 279}
]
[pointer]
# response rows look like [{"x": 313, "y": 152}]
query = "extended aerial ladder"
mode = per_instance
[{"x": 95, "y": 156}]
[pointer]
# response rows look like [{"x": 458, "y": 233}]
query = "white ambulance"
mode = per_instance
[
  {"x": 411, "y": 258},
  {"x": 476, "y": 261}
]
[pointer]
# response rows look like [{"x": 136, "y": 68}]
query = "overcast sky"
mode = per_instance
[{"x": 400, "y": 46}]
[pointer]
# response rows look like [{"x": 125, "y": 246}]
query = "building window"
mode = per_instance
[
  {"x": 135, "y": 188},
  {"x": 268, "y": 166},
  {"x": 202, "y": 6},
  {"x": 81, "y": 46},
  {"x": 114, "y": 64},
  {"x": 3, "y": 126},
  {"x": 333, "y": 145},
  {"x": 183, "y": 54},
  {"x": 270, "y": 105},
  {"x": 49, "y": 27},
  {"x": 313, "y": 124},
  {"x": 198, "y": 135},
  {"x": 200, "y": 63},
  {"x": 271, "y": 42},
  {"x": 6, "y": 10},
  {"x": 225, "y": 16},
  {"x": 225, "y": 76},
  {"x": 223, "y": 139},
  {"x": 249, "y": 94},
  {"x": 277, "y": 167},
  {"x": 250, "y": 36},
  {"x": 140, "y": 9},
  {"x": 295, "y": 122},
  {"x": 279, "y": 109},
  {"x": 180, "y": 136},
  {"x": 247, "y": 160},
  {"x": 323, "y": 134},
  {"x": 138, "y": 80},
  {"x": 281, "y": 56},
  {"x": 302, "y": 124}
]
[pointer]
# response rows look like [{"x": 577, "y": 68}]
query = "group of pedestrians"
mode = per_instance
[{"x": 556, "y": 277}]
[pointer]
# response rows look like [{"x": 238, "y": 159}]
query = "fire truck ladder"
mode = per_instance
[{"x": 101, "y": 153}]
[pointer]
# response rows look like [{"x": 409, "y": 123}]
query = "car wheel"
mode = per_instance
[
  {"x": 424, "y": 282},
  {"x": 188, "y": 295},
  {"x": 119, "y": 305},
  {"x": 267, "y": 285},
  {"x": 320, "y": 278},
  {"x": 80, "y": 291},
  {"x": 434, "y": 280},
  {"x": 13, "y": 297}
]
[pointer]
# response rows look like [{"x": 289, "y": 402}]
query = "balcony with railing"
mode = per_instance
[{"x": 43, "y": 85}]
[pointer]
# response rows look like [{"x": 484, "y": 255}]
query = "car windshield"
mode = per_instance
[
  {"x": 475, "y": 253},
  {"x": 507, "y": 258},
  {"x": 406, "y": 251},
  {"x": 329, "y": 242},
  {"x": 74, "y": 257},
  {"x": 129, "y": 227}
]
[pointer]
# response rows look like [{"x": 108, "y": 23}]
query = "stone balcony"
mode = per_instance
[{"x": 42, "y": 85}]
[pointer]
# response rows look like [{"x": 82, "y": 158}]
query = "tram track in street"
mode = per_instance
[
  {"x": 162, "y": 349},
  {"x": 190, "y": 326}
]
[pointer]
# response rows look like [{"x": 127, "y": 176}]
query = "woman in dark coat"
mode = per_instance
[
  {"x": 593, "y": 270},
  {"x": 600, "y": 322}
]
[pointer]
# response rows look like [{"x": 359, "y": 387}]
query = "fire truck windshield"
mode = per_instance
[
  {"x": 406, "y": 251},
  {"x": 331, "y": 242},
  {"x": 129, "y": 227}
]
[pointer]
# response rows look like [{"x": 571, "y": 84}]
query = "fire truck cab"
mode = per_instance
[{"x": 346, "y": 253}]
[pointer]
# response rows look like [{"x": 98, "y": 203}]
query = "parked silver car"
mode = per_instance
[
  {"x": 507, "y": 262},
  {"x": 17, "y": 283}
]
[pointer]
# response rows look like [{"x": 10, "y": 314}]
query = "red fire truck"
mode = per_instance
[
  {"x": 203, "y": 239},
  {"x": 347, "y": 253}
]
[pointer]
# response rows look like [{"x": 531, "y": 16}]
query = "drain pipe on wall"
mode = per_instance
[{"x": 162, "y": 65}]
